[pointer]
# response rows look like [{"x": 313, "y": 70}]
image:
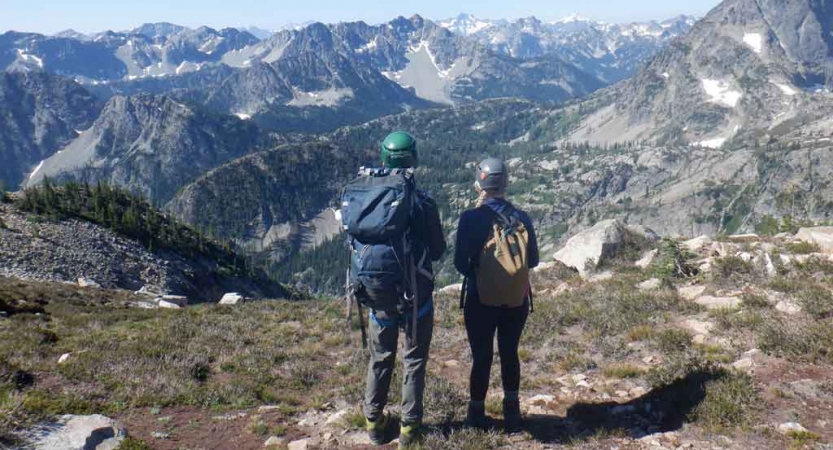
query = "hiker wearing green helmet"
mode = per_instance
[
  {"x": 399, "y": 151},
  {"x": 394, "y": 232}
]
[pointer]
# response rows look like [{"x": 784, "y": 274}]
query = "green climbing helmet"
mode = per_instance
[{"x": 399, "y": 151}]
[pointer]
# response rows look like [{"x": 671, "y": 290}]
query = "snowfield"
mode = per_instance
[
  {"x": 37, "y": 169},
  {"x": 29, "y": 58},
  {"x": 466, "y": 24},
  {"x": 369, "y": 46},
  {"x": 710, "y": 143},
  {"x": 721, "y": 93},
  {"x": 424, "y": 45},
  {"x": 786, "y": 89},
  {"x": 755, "y": 41}
]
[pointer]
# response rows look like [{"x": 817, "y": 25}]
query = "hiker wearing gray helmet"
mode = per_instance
[{"x": 496, "y": 248}]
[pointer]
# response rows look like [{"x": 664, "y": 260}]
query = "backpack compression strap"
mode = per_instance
[{"x": 350, "y": 297}]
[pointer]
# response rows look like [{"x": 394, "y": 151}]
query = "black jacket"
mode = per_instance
[{"x": 473, "y": 232}]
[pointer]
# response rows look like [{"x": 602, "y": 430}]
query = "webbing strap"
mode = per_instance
[
  {"x": 463, "y": 292},
  {"x": 387, "y": 323}
]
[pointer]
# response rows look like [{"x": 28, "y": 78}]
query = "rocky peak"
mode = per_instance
[
  {"x": 742, "y": 70},
  {"x": 417, "y": 21},
  {"x": 315, "y": 38},
  {"x": 164, "y": 29}
]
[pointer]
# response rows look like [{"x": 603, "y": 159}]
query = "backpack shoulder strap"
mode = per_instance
[{"x": 503, "y": 219}]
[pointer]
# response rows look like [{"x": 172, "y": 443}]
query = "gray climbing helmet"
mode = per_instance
[{"x": 492, "y": 175}]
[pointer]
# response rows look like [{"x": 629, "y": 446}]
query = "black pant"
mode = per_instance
[{"x": 481, "y": 324}]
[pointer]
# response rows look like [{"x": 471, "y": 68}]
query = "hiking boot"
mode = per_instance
[
  {"x": 376, "y": 429},
  {"x": 512, "y": 420},
  {"x": 476, "y": 417},
  {"x": 409, "y": 434}
]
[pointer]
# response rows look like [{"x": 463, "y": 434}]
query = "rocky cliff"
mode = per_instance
[
  {"x": 39, "y": 113},
  {"x": 152, "y": 145}
]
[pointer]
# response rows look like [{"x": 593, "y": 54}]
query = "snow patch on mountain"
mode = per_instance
[
  {"x": 329, "y": 97},
  {"x": 786, "y": 89},
  {"x": 423, "y": 45},
  {"x": 393, "y": 76},
  {"x": 721, "y": 93},
  {"x": 187, "y": 66},
  {"x": 369, "y": 46},
  {"x": 710, "y": 143},
  {"x": 427, "y": 77},
  {"x": 29, "y": 58},
  {"x": 755, "y": 41},
  {"x": 643, "y": 30},
  {"x": 572, "y": 18},
  {"x": 37, "y": 169},
  {"x": 466, "y": 24},
  {"x": 211, "y": 45}
]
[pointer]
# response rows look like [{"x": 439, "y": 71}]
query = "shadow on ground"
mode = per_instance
[{"x": 664, "y": 409}]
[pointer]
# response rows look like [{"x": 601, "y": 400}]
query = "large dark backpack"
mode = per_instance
[{"x": 377, "y": 208}]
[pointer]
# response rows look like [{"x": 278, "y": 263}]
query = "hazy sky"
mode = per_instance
[{"x": 49, "y": 16}]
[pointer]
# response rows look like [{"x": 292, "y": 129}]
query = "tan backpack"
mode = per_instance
[{"x": 502, "y": 273}]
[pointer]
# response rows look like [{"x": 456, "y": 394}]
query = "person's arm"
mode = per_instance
[
  {"x": 434, "y": 237},
  {"x": 462, "y": 255},
  {"x": 532, "y": 246}
]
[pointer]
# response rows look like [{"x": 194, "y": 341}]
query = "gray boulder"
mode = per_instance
[
  {"x": 587, "y": 249},
  {"x": 644, "y": 232},
  {"x": 167, "y": 305},
  {"x": 452, "y": 289},
  {"x": 71, "y": 432},
  {"x": 713, "y": 303},
  {"x": 87, "y": 282},
  {"x": 232, "y": 298},
  {"x": 178, "y": 300},
  {"x": 150, "y": 291},
  {"x": 650, "y": 285},
  {"x": 822, "y": 236}
]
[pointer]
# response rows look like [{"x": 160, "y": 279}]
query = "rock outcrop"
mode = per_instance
[
  {"x": 232, "y": 298},
  {"x": 76, "y": 251},
  {"x": 39, "y": 114},
  {"x": 821, "y": 236},
  {"x": 71, "y": 432},
  {"x": 585, "y": 250},
  {"x": 152, "y": 145}
]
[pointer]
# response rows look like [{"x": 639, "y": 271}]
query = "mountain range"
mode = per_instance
[
  {"x": 545, "y": 62},
  {"x": 610, "y": 52},
  {"x": 698, "y": 138},
  {"x": 313, "y": 78}
]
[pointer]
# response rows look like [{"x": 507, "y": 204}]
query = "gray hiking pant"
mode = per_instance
[{"x": 384, "y": 340}]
